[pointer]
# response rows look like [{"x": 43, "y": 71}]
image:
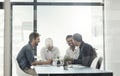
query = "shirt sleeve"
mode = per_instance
[{"x": 30, "y": 55}]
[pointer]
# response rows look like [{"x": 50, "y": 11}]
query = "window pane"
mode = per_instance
[
  {"x": 1, "y": 40},
  {"x": 58, "y": 21},
  {"x": 70, "y": 0},
  {"x": 22, "y": 27}
]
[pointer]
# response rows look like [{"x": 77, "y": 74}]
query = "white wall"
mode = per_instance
[{"x": 112, "y": 36}]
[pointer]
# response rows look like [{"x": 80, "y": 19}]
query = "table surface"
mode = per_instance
[{"x": 75, "y": 69}]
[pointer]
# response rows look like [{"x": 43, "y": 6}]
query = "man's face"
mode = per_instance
[
  {"x": 75, "y": 42},
  {"x": 70, "y": 41},
  {"x": 37, "y": 40},
  {"x": 49, "y": 47}
]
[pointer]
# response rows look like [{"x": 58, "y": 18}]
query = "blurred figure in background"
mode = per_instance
[{"x": 49, "y": 51}]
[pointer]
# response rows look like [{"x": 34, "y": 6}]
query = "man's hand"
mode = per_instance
[{"x": 40, "y": 62}]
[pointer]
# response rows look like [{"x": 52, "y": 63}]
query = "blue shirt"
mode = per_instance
[{"x": 26, "y": 56}]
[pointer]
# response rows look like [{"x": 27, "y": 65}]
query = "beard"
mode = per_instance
[{"x": 36, "y": 44}]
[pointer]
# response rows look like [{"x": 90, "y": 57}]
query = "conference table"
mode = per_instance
[{"x": 72, "y": 70}]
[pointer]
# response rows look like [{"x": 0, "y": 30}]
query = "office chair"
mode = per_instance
[
  {"x": 96, "y": 63},
  {"x": 19, "y": 71}
]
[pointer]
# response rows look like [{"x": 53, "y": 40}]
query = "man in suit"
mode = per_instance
[{"x": 86, "y": 52}]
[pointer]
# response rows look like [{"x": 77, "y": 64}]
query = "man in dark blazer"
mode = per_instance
[{"x": 87, "y": 52}]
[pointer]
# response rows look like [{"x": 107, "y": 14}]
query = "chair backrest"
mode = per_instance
[
  {"x": 19, "y": 71},
  {"x": 96, "y": 63}
]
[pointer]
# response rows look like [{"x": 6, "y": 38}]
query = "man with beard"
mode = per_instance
[
  {"x": 26, "y": 58},
  {"x": 72, "y": 52}
]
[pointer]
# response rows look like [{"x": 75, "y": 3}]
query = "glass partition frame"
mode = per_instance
[{"x": 35, "y": 4}]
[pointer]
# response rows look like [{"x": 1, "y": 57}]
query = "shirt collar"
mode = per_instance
[
  {"x": 31, "y": 46},
  {"x": 50, "y": 50}
]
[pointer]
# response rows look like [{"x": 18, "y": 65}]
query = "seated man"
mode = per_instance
[
  {"x": 71, "y": 52},
  {"x": 86, "y": 52},
  {"x": 26, "y": 58},
  {"x": 49, "y": 52}
]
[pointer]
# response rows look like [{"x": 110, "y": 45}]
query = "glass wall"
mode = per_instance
[
  {"x": 58, "y": 21},
  {"x": 1, "y": 40},
  {"x": 22, "y": 21}
]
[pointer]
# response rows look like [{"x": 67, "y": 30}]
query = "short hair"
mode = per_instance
[
  {"x": 77, "y": 37},
  {"x": 68, "y": 36},
  {"x": 33, "y": 35},
  {"x": 48, "y": 42}
]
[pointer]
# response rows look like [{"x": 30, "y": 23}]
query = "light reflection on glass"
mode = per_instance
[{"x": 58, "y": 21}]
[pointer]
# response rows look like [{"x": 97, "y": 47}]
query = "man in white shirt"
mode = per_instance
[
  {"x": 49, "y": 52},
  {"x": 72, "y": 52}
]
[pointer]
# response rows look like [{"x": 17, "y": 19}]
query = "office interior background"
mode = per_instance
[{"x": 97, "y": 20}]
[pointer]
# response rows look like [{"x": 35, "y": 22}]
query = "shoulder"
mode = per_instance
[
  {"x": 87, "y": 46},
  {"x": 43, "y": 49},
  {"x": 55, "y": 48},
  {"x": 25, "y": 49},
  {"x": 68, "y": 49},
  {"x": 27, "y": 46}
]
